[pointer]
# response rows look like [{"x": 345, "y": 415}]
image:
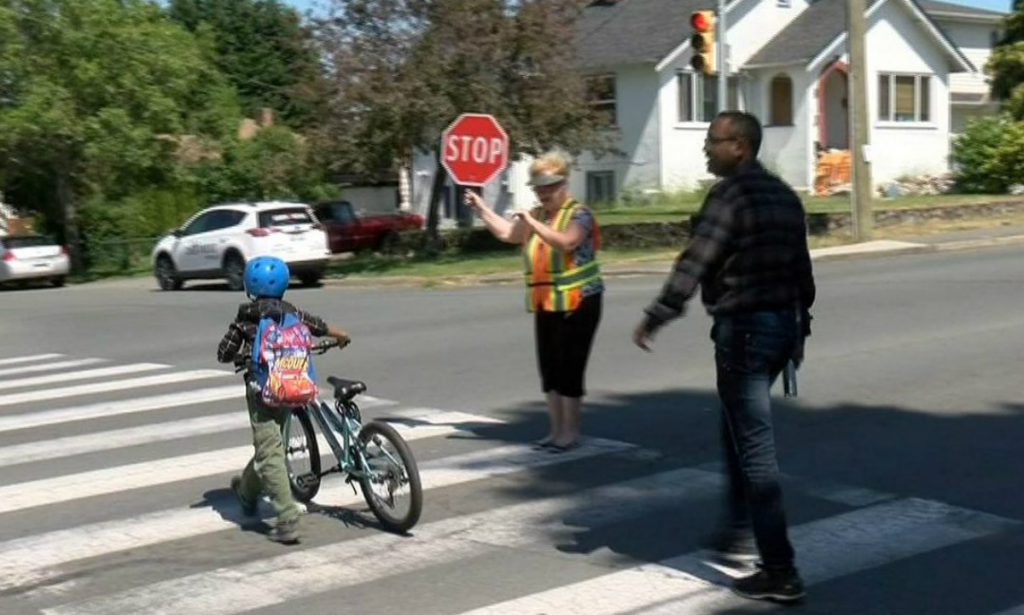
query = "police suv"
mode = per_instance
[{"x": 217, "y": 242}]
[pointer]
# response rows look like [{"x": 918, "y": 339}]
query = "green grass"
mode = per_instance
[
  {"x": 679, "y": 206},
  {"x": 473, "y": 265},
  {"x": 660, "y": 208}
]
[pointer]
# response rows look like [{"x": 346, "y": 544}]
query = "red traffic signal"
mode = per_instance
[
  {"x": 702, "y": 42},
  {"x": 702, "y": 21}
]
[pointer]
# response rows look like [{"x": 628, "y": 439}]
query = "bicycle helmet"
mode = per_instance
[{"x": 266, "y": 276}]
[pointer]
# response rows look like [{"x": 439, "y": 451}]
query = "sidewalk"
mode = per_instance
[{"x": 958, "y": 240}]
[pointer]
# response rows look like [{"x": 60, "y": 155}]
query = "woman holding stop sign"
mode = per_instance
[{"x": 560, "y": 239}]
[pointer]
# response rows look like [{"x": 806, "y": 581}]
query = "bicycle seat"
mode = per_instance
[{"x": 345, "y": 390}]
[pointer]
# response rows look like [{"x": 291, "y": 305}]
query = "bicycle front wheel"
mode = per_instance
[
  {"x": 390, "y": 481},
  {"x": 302, "y": 456}
]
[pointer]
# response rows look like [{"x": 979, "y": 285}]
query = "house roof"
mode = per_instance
[
  {"x": 616, "y": 32},
  {"x": 620, "y": 32},
  {"x": 821, "y": 25},
  {"x": 804, "y": 37},
  {"x": 949, "y": 9}
]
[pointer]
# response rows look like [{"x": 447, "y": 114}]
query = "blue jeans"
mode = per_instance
[{"x": 750, "y": 352}]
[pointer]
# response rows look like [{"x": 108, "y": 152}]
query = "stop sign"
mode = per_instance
[{"x": 474, "y": 148}]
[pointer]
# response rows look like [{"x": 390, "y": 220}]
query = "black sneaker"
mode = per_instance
[
  {"x": 286, "y": 532},
  {"x": 784, "y": 586},
  {"x": 249, "y": 509}
]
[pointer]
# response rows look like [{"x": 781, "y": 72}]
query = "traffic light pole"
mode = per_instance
[
  {"x": 722, "y": 60},
  {"x": 861, "y": 193}
]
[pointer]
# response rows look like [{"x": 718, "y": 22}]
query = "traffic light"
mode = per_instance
[{"x": 703, "y": 41}]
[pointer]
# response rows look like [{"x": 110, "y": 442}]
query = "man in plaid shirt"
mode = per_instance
[{"x": 748, "y": 253}]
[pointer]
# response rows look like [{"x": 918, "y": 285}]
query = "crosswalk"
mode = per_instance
[{"x": 113, "y": 500}]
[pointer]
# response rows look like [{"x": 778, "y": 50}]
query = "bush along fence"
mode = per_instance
[
  {"x": 115, "y": 255},
  {"x": 133, "y": 254}
]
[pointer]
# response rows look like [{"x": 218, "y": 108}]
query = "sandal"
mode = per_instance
[{"x": 563, "y": 448}]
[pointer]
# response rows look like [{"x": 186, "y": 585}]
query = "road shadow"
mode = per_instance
[{"x": 969, "y": 459}]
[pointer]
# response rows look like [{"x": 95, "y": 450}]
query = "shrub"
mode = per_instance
[{"x": 989, "y": 156}]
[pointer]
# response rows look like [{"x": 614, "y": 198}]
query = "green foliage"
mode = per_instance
[
  {"x": 401, "y": 71},
  {"x": 89, "y": 92},
  {"x": 989, "y": 156},
  {"x": 263, "y": 49},
  {"x": 274, "y": 164},
  {"x": 1005, "y": 66}
]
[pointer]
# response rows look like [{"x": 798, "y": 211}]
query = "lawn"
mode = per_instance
[{"x": 680, "y": 206}]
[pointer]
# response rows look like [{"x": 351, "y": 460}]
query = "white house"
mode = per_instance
[{"x": 788, "y": 64}]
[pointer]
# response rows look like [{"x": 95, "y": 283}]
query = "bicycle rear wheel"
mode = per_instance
[
  {"x": 391, "y": 481},
  {"x": 302, "y": 456}
]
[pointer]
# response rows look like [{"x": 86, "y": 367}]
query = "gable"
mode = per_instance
[
  {"x": 822, "y": 26},
  {"x": 613, "y": 33},
  {"x": 805, "y": 37}
]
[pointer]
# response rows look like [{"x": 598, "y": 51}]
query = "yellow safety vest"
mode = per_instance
[{"x": 553, "y": 284}]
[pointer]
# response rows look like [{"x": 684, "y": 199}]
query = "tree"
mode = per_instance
[
  {"x": 401, "y": 70},
  {"x": 89, "y": 91},
  {"x": 1006, "y": 64},
  {"x": 264, "y": 50},
  {"x": 274, "y": 164}
]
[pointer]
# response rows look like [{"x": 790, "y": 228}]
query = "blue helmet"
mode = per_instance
[{"x": 266, "y": 276}]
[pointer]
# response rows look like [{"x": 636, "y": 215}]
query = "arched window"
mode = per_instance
[{"x": 781, "y": 112}]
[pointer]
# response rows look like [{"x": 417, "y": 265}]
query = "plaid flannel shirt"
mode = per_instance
[
  {"x": 242, "y": 330},
  {"x": 748, "y": 251}
]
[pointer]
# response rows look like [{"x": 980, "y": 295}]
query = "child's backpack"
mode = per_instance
[{"x": 281, "y": 362}]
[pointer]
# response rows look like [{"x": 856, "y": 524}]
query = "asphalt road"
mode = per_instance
[{"x": 902, "y": 453}]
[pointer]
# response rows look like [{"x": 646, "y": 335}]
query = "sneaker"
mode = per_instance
[
  {"x": 784, "y": 586},
  {"x": 248, "y": 508},
  {"x": 286, "y": 532}
]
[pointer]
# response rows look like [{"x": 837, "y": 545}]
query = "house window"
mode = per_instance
[
  {"x": 698, "y": 96},
  {"x": 601, "y": 96},
  {"x": 600, "y": 187},
  {"x": 781, "y": 112},
  {"x": 904, "y": 98}
]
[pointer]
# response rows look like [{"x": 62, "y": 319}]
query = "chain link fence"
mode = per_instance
[{"x": 120, "y": 255}]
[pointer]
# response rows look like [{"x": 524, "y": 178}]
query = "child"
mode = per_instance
[{"x": 266, "y": 279}]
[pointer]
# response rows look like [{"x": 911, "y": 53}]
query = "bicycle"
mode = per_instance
[{"x": 375, "y": 455}]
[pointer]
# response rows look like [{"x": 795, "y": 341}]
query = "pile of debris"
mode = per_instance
[
  {"x": 11, "y": 222},
  {"x": 917, "y": 186}
]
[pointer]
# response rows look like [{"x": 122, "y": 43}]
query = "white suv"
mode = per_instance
[{"x": 217, "y": 242}]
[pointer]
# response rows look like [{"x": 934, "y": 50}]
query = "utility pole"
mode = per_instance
[
  {"x": 861, "y": 188},
  {"x": 723, "y": 62}
]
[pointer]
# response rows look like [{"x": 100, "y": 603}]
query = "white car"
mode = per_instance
[
  {"x": 32, "y": 257},
  {"x": 217, "y": 242}
]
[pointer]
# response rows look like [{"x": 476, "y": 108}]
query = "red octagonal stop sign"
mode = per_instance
[{"x": 474, "y": 148}]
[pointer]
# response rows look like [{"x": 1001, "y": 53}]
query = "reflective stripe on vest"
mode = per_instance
[{"x": 552, "y": 283}]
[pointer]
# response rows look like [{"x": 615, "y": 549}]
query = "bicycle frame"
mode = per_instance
[{"x": 341, "y": 419}]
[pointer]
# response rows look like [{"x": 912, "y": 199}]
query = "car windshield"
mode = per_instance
[
  {"x": 29, "y": 241},
  {"x": 285, "y": 217}
]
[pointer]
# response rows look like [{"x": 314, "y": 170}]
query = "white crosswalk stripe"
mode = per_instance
[
  {"x": 30, "y": 358},
  {"x": 113, "y": 385},
  {"x": 65, "y": 567},
  {"x": 86, "y": 374},
  {"x": 870, "y": 537},
  {"x": 46, "y": 367}
]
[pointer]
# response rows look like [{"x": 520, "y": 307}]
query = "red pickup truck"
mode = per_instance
[{"x": 348, "y": 231}]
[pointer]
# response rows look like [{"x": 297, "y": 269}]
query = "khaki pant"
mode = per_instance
[{"x": 266, "y": 471}]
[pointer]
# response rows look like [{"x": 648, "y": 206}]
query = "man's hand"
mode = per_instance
[
  {"x": 342, "y": 338},
  {"x": 643, "y": 337}
]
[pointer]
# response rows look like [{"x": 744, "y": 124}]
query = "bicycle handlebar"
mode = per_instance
[{"x": 243, "y": 359}]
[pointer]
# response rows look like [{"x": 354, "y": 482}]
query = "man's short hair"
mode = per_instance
[{"x": 746, "y": 126}]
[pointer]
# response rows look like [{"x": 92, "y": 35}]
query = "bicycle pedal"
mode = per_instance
[{"x": 306, "y": 480}]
